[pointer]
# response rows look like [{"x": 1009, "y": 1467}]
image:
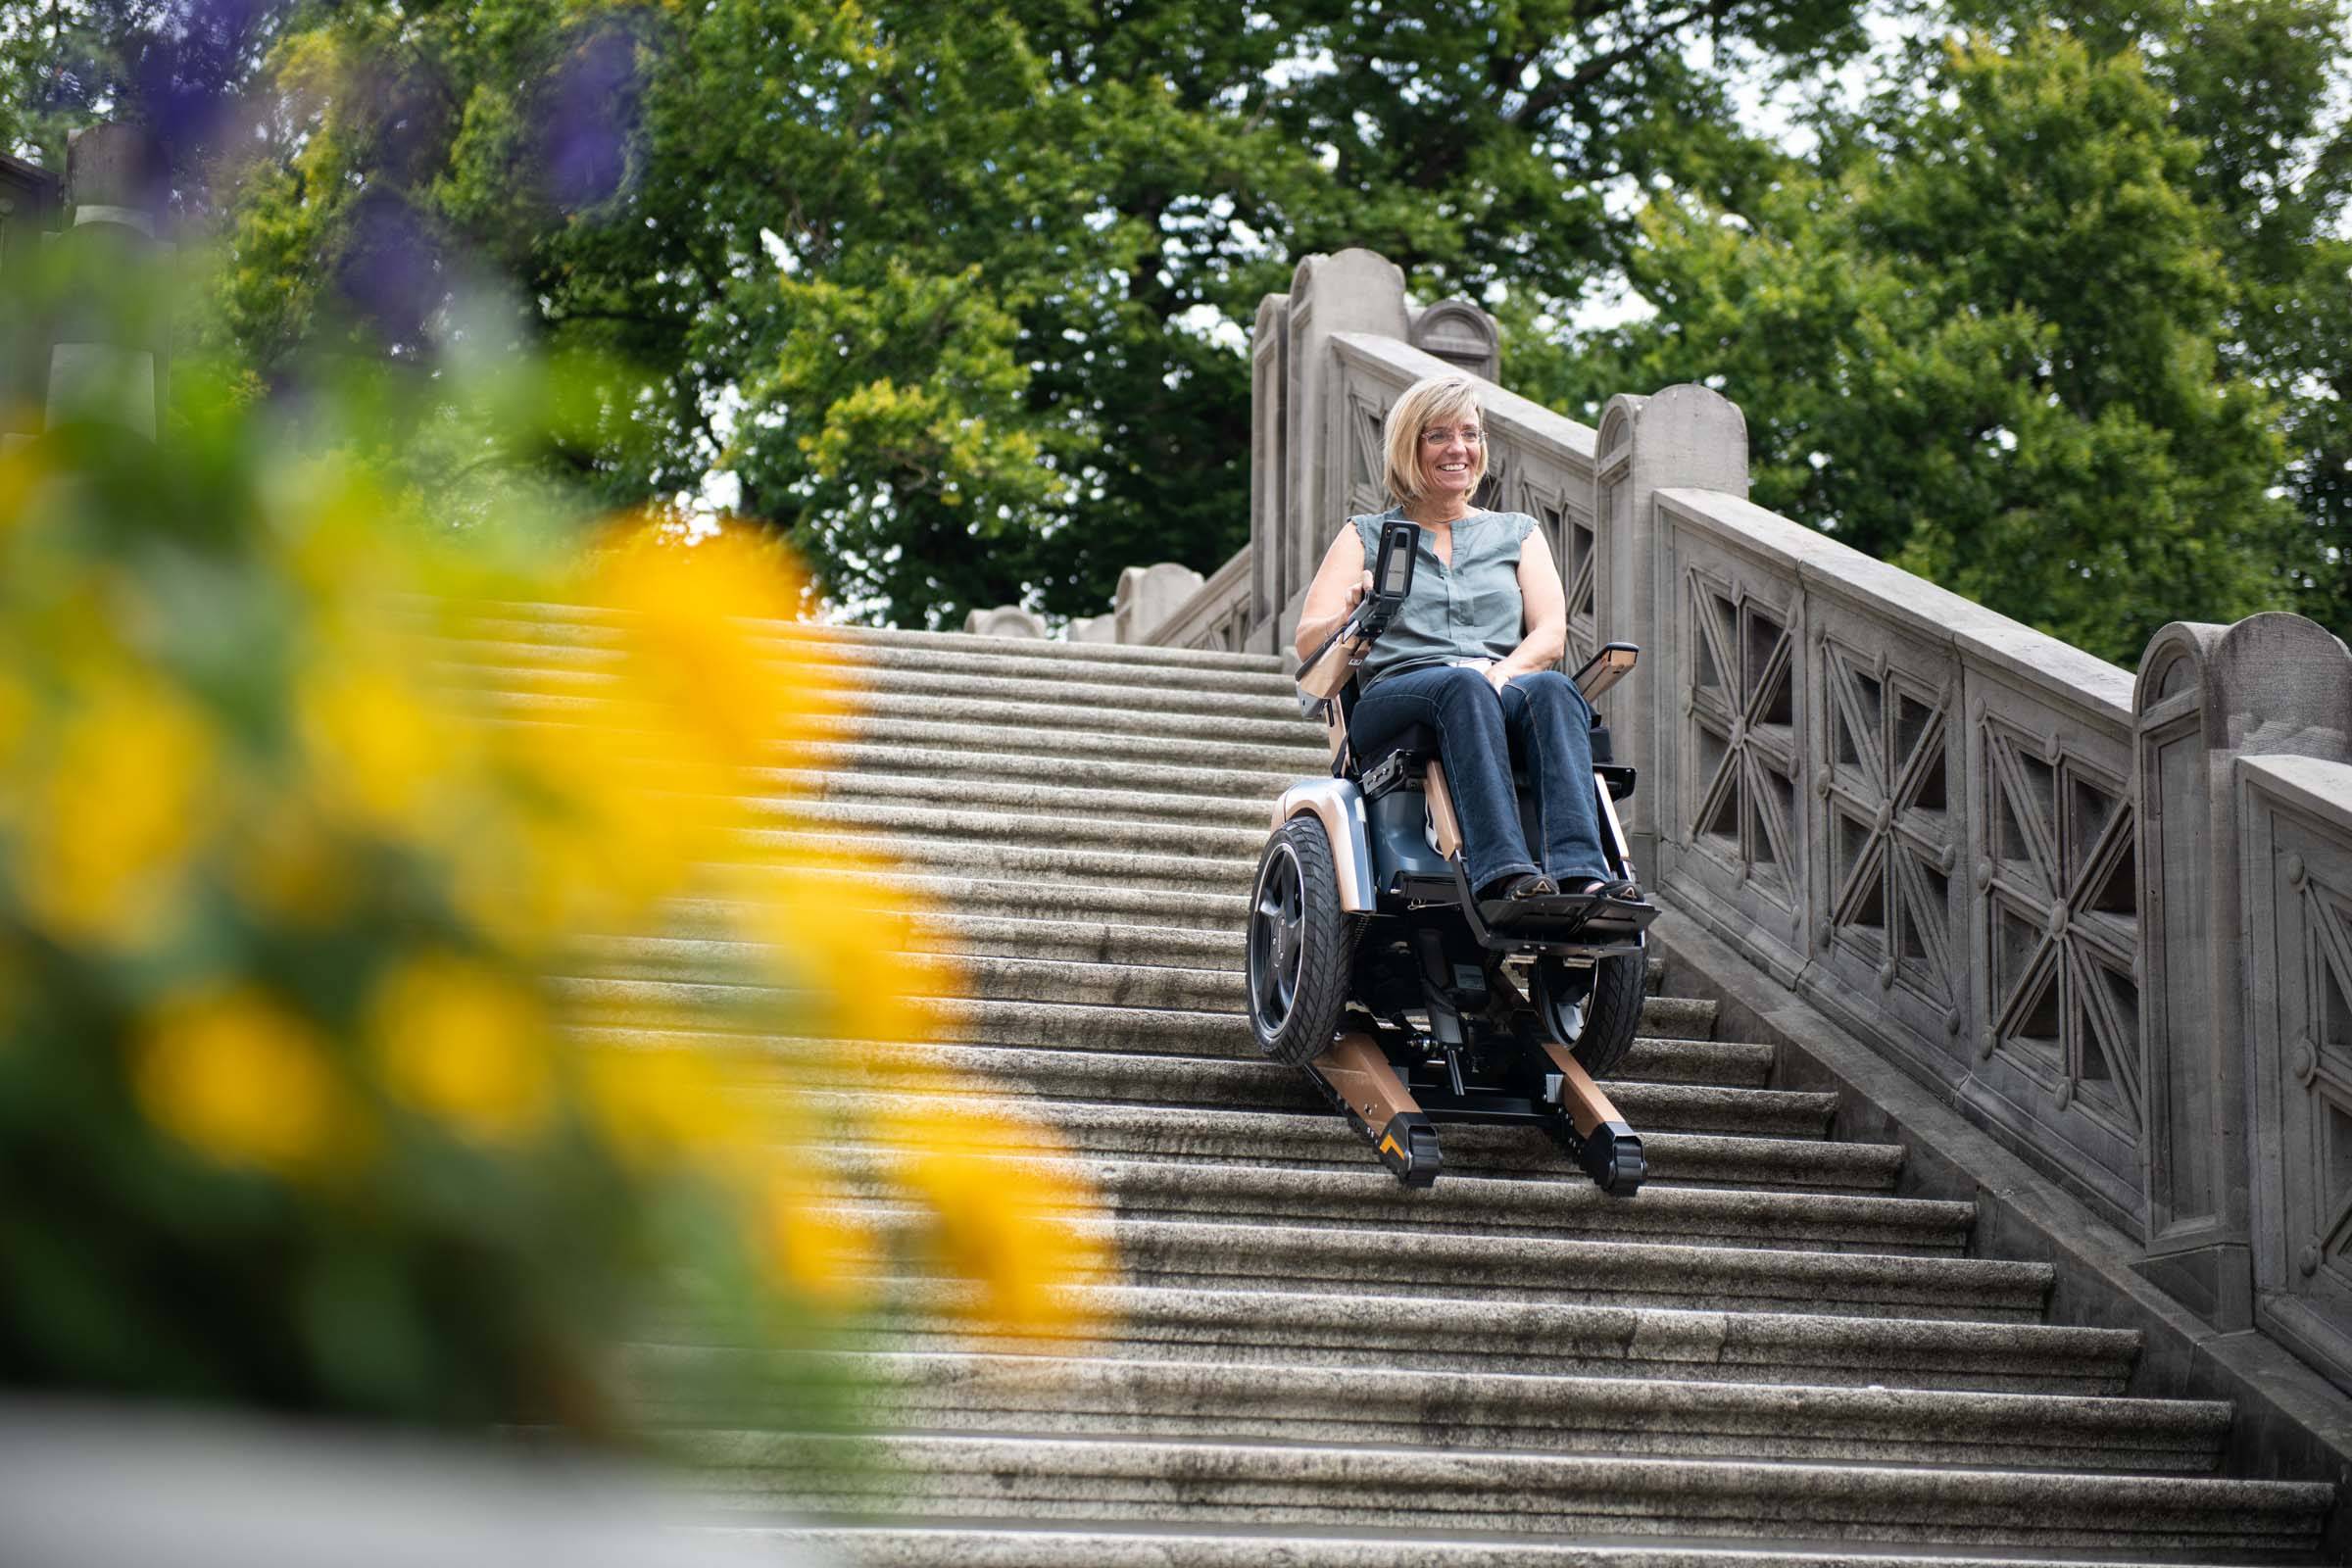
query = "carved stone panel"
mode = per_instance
[
  {"x": 1367, "y": 488},
  {"x": 1520, "y": 480},
  {"x": 2056, "y": 917},
  {"x": 1889, "y": 798},
  {"x": 1741, "y": 836},
  {"x": 2299, "y": 872}
]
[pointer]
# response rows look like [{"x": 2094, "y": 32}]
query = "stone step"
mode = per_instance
[
  {"x": 1355, "y": 1330},
  {"x": 1233, "y": 849},
  {"x": 1560, "y": 1202},
  {"x": 964, "y": 790},
  {"x": 875, "y": 1545},
  {"x": 504, "y": 667},
  {"x": 550, "y": 626},
  {"x": 508, "y": 641},
  {"x": 1196, "y": 1011},
  {"x": 1173, "y": 871},
  {"x": 1128, "y": 942},
  {"x": 1143, "y": 757},
  {"x": 1138, "y": 754},
  {"x": 1086, "y": 942},
  {"x": 1051, "y": 725},
  {"x": 1235, "y": 788},
  {"x": 1181, "y": 1084},
  {"x": 1260, "y": 1254},
  {"x": 1286, "y": 1486},
  {"x": 1004, "y": 909},
  {"x": 1325, "y": 1142},
  {"x": 1116, "y": 1397},
  {"x": 1257, "y": 676}
]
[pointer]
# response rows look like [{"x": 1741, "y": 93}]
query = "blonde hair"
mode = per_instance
[{"x": 1427, "y": 402}]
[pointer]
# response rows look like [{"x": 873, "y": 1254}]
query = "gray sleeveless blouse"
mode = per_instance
[{"x": 1470, "y": 609}]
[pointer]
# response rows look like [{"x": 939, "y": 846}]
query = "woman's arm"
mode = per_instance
[
  {"x": 1543, "y": 613},
  {"x": 1339, "y": 584}
]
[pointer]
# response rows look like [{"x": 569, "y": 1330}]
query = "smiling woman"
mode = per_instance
[{"x": 1470, "y": 653}]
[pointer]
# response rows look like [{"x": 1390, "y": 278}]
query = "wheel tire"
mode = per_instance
[
  {"x": 1604, "y": 1029},
  {"x": 1300, "y": 943}
]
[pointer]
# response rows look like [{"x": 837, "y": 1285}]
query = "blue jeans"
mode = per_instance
[{"x": 1544, "y": 720}]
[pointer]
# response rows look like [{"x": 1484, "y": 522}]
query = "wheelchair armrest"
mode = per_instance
[
  {"x": 1332, "y": 669},
  {"x": 1605, "y": 668}
]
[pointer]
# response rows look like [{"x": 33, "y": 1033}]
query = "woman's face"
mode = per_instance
[{"x": 1450, "y": 458}]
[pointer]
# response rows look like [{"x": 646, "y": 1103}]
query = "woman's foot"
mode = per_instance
[
  {"x": 1518, "y": 884},
  {"x": 1602, "y": 887}
]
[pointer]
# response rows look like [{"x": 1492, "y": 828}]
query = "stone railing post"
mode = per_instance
[
  {"x": 1685, "y": 437},
  {"x": 1270, "y": 503},
  {"x": 112, "y": 364},
  {"x": 2208, "y": 695},
  {"x": 1459, "y": 332},
  {"x": 1302, "y": 445},
  {"x": 28, "y": 203}
]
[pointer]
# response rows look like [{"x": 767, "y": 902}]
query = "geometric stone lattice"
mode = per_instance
[
  {"x": 1888, "y": 819},
  {"x": 1744, "y": 735},
  {"x": 2323, "y": 1065},
  {"x": 1514, "y": 484},
  {"x": 1367, "y": 458},
  {"x": 1581, "y": 547},
  {"x": 2062, "y": 909}
]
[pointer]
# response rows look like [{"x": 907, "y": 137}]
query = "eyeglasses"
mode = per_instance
[{"x": 1437, "y": 438}]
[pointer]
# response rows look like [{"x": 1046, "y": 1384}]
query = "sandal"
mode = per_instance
[
  {"x": 1518, "y": 884},
  {"x": 1599, "y": 887}
]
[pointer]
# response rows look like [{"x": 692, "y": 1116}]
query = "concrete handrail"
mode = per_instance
[{"x": 1217, "y": 616}]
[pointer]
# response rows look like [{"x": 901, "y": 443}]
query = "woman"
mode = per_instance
[{"x": 1470, "y": 654}]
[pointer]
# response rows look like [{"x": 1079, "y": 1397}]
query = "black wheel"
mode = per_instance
[
  {"x": 1300, "y": 945},
  {"x": 1595, "y": 1011}
]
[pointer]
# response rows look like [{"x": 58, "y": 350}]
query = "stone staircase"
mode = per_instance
[{"x": 1776, "y": 1352}]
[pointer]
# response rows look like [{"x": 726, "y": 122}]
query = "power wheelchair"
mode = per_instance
[{"x": 1375, "y": 969}]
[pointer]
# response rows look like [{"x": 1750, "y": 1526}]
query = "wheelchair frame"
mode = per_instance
[{"x": 1455, "y": 1039}]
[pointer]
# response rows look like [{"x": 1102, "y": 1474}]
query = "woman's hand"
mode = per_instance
[{"x": 1498, "y": 671}]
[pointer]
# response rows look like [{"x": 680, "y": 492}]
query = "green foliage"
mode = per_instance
[
  {"x": 956, "y": 292},
  {"x": 2258, "y": 86},
  {"x": 1120, "y": 186},
  {"x": 894, "y": 414},
  {"x": 1984, "y": 338}
]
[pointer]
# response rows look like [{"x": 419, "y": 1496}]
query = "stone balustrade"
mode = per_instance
[
  {"x": 1217, "y": 614},
  {"x": 1918, "y": 814}
]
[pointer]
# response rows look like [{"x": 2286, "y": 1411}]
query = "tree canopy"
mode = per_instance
[
  {"x": 952, "y": 289},
  {"x": 2055, "y": 318},
  {"x": 954, "y": 295}
]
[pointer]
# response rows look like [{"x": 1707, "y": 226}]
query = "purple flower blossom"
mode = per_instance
[
  {"x": 390, "y": 273},
  {"x": 590, "y": 107}
]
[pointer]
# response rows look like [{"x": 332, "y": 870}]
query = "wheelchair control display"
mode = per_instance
[
  {"x": 1392, "y": 583},
  {"x": 1393, "y": 573}
]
